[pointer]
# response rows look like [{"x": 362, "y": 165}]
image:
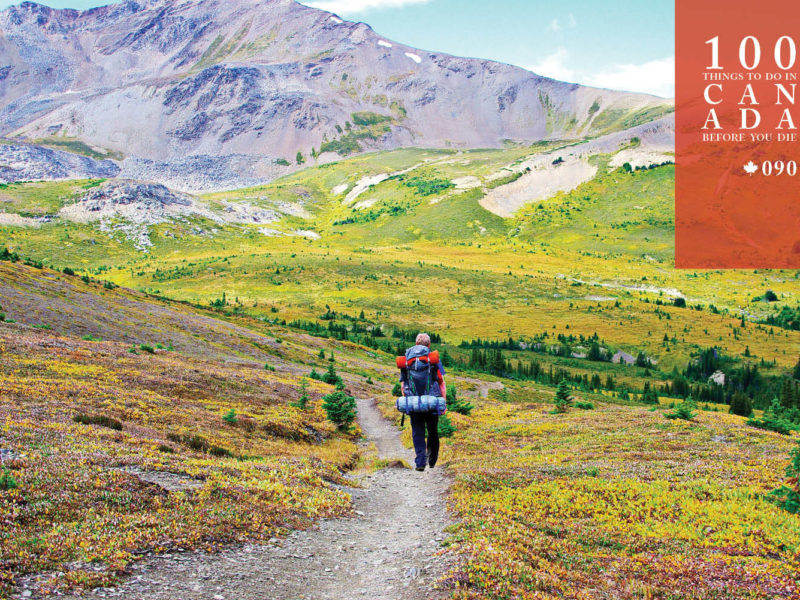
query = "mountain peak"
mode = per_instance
[{"x": 163, "y": 80}]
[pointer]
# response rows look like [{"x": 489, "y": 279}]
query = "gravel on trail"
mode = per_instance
[{"x": 390, "y": 549}]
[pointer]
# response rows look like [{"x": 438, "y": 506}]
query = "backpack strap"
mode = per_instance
[
  {"x": 411, "y": 382},
  {"x": 428, "y": 391}
]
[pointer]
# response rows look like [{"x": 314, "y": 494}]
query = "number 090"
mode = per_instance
[{"x": 779, "y": 167}]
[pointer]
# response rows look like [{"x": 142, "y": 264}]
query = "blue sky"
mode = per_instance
[{"x": 621, "y": 44}]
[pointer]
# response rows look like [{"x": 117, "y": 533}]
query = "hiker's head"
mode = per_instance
[{"x": 423, "y": 339}]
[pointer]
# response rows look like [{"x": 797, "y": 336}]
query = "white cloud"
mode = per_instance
[
  {"x": 555, "y": 25},
  {"x": 555, "y": 65},
  {"x": 357, "y": 6},
  {"x": 654, "y": 77}
]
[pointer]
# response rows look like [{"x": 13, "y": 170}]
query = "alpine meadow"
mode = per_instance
[{"x": 220, "y": 224}]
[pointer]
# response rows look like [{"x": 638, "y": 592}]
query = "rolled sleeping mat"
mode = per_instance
[
  {"x": 421, "y": 404},
  {"x": 402, "y": 363}
]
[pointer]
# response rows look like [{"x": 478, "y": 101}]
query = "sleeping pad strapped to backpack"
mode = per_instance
[{"x": 420, "y": 366}]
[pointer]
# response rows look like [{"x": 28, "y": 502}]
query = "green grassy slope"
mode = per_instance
[{"x": 596, "y": 260}]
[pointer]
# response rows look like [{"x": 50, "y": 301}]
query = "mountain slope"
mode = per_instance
[
  {"x": 257, "y": 81},
  {"x": 120, "y": 446}
]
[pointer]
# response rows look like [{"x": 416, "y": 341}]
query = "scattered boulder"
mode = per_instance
[
  {"x": 28, "y": 162},
  {"x": 129, "y": 207}
]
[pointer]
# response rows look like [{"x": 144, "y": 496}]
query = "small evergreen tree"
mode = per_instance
[
  {"x": 340, "y": 408},
  {"x": 788, "y": 495},
  {"x": 322, "y": 353},
  {"x": 741, "y": 405},
  {"x": 397, "y": 390},
  {"x": 447, "y": 360},
  {"x": 314, "y": 375},
  {"x": 596, "y": 383},
  {"x": 230, "y": 417},
  {"x": 775, "y": 418},
  {"x": 455, "y": 404},
  {"x": 303, "y": 400},
  {"x": 331, "y": 376},
  {"x": 685, "y": 411},
  {"x": 787, "y": 394},
  {"x": 446, "y": 427},
  {"x": 7, "y": 481},
  {"x": 643, "y": 361},
  {"x": 6, "y": 254},
  {"x": 796, "y": 373},
  {"x": 563, "y": 398},
  {"x": 649, "y": 394}
]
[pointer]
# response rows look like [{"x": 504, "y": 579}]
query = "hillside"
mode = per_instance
[
  {"x": 371, "y": 233},
  {"x": 217, "y": 95},
  {"x": 125, "y": 457},
  {"x": 619, "y": 502},
  {"x": 154, "y": 466}
]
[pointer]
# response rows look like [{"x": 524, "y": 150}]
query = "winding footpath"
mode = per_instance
[{"x": 387, "y": 551}]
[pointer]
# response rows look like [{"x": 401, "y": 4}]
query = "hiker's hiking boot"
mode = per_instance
[
  {"x": 422, "y": 468},
  {"x": 431, "y": 461}
]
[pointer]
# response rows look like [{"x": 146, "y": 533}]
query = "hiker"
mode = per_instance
[{"x": 428, "y": 380}]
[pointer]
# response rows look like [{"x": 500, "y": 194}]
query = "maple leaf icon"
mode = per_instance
[{"x": 751, "y": 168}]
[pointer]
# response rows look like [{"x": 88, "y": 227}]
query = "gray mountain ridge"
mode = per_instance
[{"x": 210, "y": 94}]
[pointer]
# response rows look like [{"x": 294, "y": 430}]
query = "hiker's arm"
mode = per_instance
[
  {"x": 442, "y": 384},
  {"x": 404, "y": 381}
]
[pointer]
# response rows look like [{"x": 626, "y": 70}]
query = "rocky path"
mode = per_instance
[{"x": 388, "y": 550}]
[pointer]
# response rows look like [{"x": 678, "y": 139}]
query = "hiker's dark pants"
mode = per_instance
[{"x": 419, "y": 422}]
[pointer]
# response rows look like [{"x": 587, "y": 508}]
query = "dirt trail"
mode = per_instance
[{"x": 386, "y": 551}]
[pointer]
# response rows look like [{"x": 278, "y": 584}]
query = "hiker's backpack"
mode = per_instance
[{"x": 420, "y": 366}]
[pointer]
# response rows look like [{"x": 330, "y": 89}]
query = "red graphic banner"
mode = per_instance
[{"x": 738, "y": 143}]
